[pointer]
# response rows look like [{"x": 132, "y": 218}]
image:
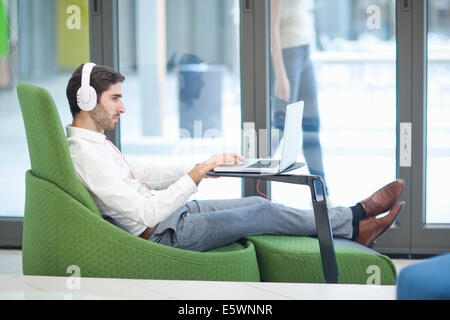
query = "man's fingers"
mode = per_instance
[
  {"x": 224, "y": 158},
  {"x": 234, "y": 158},
  {"x": 239, "y": 158}
]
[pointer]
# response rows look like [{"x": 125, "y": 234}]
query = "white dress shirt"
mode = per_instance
[{"x": 119, "y": 188}]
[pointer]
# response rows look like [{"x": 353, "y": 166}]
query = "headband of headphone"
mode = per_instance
[{"x": 86, "y": 95}]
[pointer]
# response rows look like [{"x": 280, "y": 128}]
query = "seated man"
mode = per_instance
[{"x": 123, "y": 191}]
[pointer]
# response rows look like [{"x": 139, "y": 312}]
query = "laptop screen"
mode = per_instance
[{"x": 291, "y": 139}]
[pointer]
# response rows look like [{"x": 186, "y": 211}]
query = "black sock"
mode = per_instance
[{"x": 358, "y": 214}]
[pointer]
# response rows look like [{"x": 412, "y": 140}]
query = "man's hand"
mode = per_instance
[
  {"x": 282, "y": 88},
  {"x": 201, "y": 170}
]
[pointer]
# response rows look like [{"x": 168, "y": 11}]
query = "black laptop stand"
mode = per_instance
[{"x": 324, "y": 233}]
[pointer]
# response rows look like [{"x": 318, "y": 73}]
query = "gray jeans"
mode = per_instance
[{"x": 209, "y": 224}]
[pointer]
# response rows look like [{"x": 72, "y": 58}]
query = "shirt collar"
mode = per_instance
[{"x": 85, "y": 134}]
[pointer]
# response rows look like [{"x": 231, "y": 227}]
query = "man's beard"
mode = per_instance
[{"x": 103, "y": 118}]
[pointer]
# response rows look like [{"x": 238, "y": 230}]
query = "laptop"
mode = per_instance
[{"x": 292, "y": 129}]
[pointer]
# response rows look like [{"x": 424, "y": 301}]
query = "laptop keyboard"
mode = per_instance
[{"x": 265, "y": 164}]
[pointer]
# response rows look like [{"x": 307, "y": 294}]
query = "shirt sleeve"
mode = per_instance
[
  {"x": 127, "y": 196},
  {"x": 159, "y": 177}
]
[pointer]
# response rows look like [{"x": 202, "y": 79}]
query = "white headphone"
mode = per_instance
[{"x": 86, "y": 95}]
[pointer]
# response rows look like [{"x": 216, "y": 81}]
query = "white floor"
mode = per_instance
[
  {"x": 13, "y": 285},
  {"x": 41, "y": 288}
]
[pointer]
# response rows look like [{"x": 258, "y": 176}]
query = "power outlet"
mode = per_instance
[{"x": 405, "y": 144}]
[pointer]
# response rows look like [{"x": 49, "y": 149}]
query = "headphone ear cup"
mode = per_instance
[{"x": 90, "y": 104}]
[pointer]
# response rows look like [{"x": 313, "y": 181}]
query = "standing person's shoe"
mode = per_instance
[
  {"x": 371, "y": 228},
  {"x": 384, "y": 199}
]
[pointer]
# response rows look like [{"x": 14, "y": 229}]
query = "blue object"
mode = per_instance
[{"x": 427, "y": 280}]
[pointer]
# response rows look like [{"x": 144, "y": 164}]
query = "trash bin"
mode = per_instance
[{"x": 200, "y": 98}]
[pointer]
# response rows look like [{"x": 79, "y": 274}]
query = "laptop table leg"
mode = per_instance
[{"x": 324, "y": 232}]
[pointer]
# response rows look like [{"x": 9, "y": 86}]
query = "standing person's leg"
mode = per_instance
[
  {"x": 301, "y": 75},
  {"x": 293, "y": 63},
  {"x": 307, "y": 89}
]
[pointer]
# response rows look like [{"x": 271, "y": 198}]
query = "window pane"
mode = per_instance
[
  {"x": 41, "y": 42},
  {"x": 182, "y": 89},
  {"x": 438, "y": 144},
  {"x": 339, "y": 57}
]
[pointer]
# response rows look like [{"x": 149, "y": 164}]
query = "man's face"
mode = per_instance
[{"x": 107, "y": 112}]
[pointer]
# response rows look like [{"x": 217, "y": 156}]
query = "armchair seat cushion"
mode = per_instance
[{"x": 297, "y": 259}]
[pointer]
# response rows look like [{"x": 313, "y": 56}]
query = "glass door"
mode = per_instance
[
  {"x": 339, "y": 57},
  {"x": 438, "y": 132},
  {"x": 431, "y": 220},
  {"x": 182, "y": 93},
  {"x": 41, "y": 42}
]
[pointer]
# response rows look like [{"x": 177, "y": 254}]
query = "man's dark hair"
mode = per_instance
[{"x": 102, "y": 78}]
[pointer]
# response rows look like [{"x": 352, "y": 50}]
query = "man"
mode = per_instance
[{"x": 124, "y": 191}]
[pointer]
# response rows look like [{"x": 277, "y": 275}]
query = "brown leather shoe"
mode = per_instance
[
  {"x": 384, "y": 199},
  {"x": 371, "y": 228}
]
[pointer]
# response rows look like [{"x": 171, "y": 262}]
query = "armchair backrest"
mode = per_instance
[{"x": 47, "y": 145}]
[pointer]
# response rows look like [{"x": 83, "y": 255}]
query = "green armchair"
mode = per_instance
[{"x": 63, "y": 227}]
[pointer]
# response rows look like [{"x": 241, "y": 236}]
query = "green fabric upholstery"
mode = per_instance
[
  {"x": 47, "y": 146},
  {"x": 63, "y": 227},
  {"x": 60, "y": 232},
  {"x": 297, "y": 259}
]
